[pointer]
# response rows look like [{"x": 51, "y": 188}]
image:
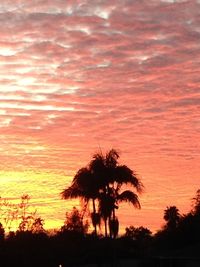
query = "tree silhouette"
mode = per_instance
[
  {"x": 74, "y": 222},
  {"x": 196, "y": 203},
  {"x": 2, "y": 232},
  {"x": 172, "y": 217},
  {"x": 102, "y": 181},
  {"x": 141, "y": 233},
  {"x": 38, "y": 225}
]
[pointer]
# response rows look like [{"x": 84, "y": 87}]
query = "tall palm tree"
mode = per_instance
[
  {"x": 114, "y": 176},
  {"x": 102, "y": 181}
]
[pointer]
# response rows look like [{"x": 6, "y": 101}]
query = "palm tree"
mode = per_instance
[
  {"x": 102, "y": 181},
  {"x": 113, "y": 177},
  {"x": 172, "y": 217}
]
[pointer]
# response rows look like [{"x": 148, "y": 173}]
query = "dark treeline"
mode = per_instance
[{"x": 75, "y": 245}]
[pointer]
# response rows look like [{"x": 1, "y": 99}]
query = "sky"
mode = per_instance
[{"x": 79, "y": 76}]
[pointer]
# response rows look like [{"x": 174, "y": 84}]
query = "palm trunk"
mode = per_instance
[
  {"x": 94, "y": 210},
  {"x": 106, "y": 230},
  {"x": 113, "y": 230},
  {"x": 113, "y": 213},
  {"x": 111, "y": 221},
  {"x": 110, "y": 227}
]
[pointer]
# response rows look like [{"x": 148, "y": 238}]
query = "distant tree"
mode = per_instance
[
  {"x": 138, "y": 233},
  {"x": 180, "y": 230},
  {"x": 38, "y": 225},
  {"x": 172, "y": 217},
  {"x": 130, "y": 232},
  {"x": 196, "y": 203},
  {"x": 74, "y": 222}
]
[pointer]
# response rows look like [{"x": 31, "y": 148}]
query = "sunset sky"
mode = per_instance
[{"x": 76, "y": 76}]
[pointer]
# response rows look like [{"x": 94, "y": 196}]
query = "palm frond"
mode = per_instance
[
  {"x": 71, "y": 192},
  {"x": 129, "y": 196},
  {"x": 97, "y": 163},
  {"x": 111, "y": 158},
  {"x": 82, "y": 178},
  {"x": 124, "y": 175}
]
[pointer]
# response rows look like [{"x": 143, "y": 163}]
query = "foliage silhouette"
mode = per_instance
[
  {"x": 172, "y": 217},
  {"x": 73, "y": 246},
  {"x": 38, "y": 225},
  {"x": 180, "y": 230},
  {"x": 100, "y": 183},
  {"x": 196, "y": 203},
  {"x": 21, "y": 214},
  {"x": 74, "y": 222},
  {"x": 138, "y": 233}
]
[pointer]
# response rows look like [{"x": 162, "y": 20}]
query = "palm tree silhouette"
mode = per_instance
[
  {"x": 172, "y": 217},
  {"x": 116, "y": 176},
  {"x": 102, "y": 181}
]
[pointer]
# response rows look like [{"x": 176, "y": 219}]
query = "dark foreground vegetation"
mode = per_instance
[
  {"x": 99, "y": 185},
  {"x": 72, "y": 246}
]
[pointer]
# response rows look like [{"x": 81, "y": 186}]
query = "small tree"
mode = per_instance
[
  {"x": 20, "y": 214},
  {"x": 9, "y": 213},
  {"x": 38, "y": 226},
  {"x": 74, "y": 222},
  {"x": 26, "y": 216}
]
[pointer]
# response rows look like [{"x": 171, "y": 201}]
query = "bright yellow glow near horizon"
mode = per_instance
[{"x": 44, "y": 190}]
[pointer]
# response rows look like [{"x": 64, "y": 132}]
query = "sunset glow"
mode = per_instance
[{"x": 79, "y": 76}]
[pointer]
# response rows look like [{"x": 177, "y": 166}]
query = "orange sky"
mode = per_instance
[{"x": 79, "y": 75}]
